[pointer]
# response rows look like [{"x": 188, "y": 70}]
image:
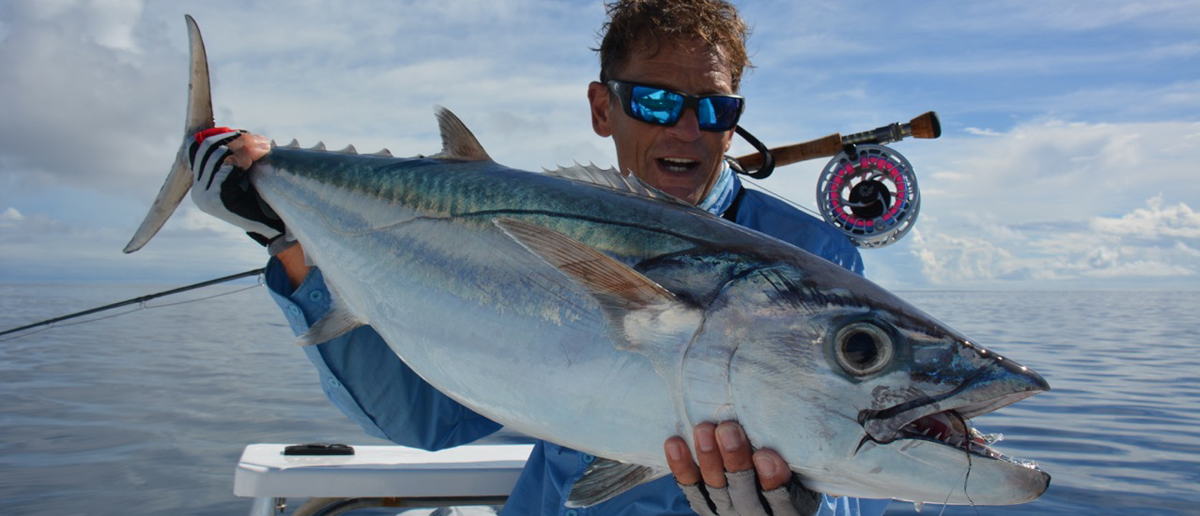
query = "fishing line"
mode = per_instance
[
  {"x": 214, "y": 296},
  {"x": 760, "y": 186},
  {"x": 970, "y": 463},
  {"x": 140, "y": 301},
  {"x": 50, "y": 326}
]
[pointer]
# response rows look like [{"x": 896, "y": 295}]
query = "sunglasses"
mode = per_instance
[{"x": 660, "y": 106}]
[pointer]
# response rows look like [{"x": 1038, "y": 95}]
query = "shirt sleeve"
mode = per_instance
[{"x": 361, "y": 375}]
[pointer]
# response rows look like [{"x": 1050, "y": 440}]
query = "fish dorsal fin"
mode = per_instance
[
  {"x": 642, "y": 313},
  {"x": 457, "y": 141},
  {"x": 609, "y": 177},
  {"x": 607, "y": 478}
]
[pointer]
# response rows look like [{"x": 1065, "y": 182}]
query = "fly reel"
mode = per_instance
[{"x": 869, "y": 193}]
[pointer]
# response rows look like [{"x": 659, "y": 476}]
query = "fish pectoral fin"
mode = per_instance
[
  {"x": 646, "y": 314},
  {"x": 337, "y": 322},
  {"x": 607, "y": 478},
  {"x": 458, "y": 143},
  {"x": 612, "y": 282}
]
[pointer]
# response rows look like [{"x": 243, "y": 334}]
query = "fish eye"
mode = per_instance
[{"x": 863, "y": 348}]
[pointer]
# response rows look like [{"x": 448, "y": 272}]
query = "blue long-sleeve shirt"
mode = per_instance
[{"x": 372, "y": 386}]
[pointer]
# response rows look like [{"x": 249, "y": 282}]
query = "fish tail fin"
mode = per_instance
[{"x": 199, "y": 118}]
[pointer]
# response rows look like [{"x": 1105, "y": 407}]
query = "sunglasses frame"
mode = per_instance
[{"x": 624, "y": 92}]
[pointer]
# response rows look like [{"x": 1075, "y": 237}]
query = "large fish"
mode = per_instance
[{"x": 608, "y": 317}]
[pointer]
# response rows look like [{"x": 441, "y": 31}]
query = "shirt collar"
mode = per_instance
[{"x": 723, "y": 192}]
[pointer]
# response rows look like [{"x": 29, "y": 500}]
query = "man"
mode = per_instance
[{"x": 670, "y": 70}]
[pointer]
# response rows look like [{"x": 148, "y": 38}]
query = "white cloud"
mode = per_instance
[
  {"x": 1042, "y": 174},
  {"x": 1153, "y": 242},
  {"x": 10, "y": 217},
  {"x": 1056, "y": 169},
  {"x": 80, "y": 95},
  {"x": 1155, "y": 221}
]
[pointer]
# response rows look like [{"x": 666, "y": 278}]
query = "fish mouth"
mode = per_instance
[
  {"x": 946, "y": 419},
  {"x": 928, "y": 454},
  {"x": 950, "y": 428}
]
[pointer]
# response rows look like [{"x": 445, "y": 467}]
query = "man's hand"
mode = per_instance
[
  {"x": 219, "y": 158},
  {"x": 728, "y": 466}
]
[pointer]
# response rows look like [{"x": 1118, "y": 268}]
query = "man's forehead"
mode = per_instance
[{"x": 669, "y": 60}]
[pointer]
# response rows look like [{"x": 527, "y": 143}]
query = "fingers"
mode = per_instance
[
  {"x": 772, "y": 470},
  {"x": 735, "y": 448},
  {"x": 679, "y": 459},
  {"x": 709, "y": 455},
  {"x": 247, "y": 149},
  {"x": 239, "y": 149},
  {"x": 729, "y": 465},
  {"x": 207, "y": 155}
]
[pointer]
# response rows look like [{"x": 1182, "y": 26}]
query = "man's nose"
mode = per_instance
[{"x": 688, "y": 126}]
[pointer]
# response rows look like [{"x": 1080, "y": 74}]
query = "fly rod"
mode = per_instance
[
  {"x": 924, "y": 126},
  {"x": 140, "y": 299}
]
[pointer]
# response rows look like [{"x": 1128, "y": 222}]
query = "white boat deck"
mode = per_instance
[{"x": 466, "y": 475}]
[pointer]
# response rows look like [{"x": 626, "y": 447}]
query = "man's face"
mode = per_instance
[{"x": 681, "y": 160}]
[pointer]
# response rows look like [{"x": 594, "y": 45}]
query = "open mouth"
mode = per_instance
[
  {"x": 951, "y": 429},
  {"x": 677, "y": 165}
]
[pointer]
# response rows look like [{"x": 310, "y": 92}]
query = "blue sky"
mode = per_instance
[{"x": 1068, "y": 158}]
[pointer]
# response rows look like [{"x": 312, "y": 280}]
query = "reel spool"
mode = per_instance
[{"x": 869, "y": 193}]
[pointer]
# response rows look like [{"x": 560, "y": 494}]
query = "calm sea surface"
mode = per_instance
[{"x": 147, "y": 413}]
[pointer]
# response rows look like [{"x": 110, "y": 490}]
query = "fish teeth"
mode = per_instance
[
  {"x": 349, "y": 150},
  {"x": 320, "y": 146},
  {"x": 294, "y": 144}
]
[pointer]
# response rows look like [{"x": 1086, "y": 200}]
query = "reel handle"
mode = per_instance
[{"x": 926, "y": 125}]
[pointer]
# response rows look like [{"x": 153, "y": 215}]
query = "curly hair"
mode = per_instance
[{"x": 636, "y": 22}]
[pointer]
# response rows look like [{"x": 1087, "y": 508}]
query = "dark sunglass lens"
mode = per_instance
[
  {"x": 655, "y": 105},
  {"x": 719, "y": 113}
]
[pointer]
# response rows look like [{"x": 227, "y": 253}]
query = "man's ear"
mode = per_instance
[{"x": 601, "y": 108}]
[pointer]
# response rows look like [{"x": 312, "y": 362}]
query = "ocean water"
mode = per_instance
[{"x": 147, "y": 412}]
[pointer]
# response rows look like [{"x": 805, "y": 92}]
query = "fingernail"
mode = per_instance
[
  {"x": 765, "y": 466},
  {"x": 705, "y": 441},
  {"x": 730, "y": 437},
  {"x": 674, "y": 451}
]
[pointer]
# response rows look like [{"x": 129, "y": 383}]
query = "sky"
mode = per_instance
[{"x": 1069, "y": 159}]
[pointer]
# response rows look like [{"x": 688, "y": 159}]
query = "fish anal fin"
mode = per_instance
[
  {"x": 607, "y": 478},
  {"x": 336, "y": 322},
  {"x": 458, "y": 143}
]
